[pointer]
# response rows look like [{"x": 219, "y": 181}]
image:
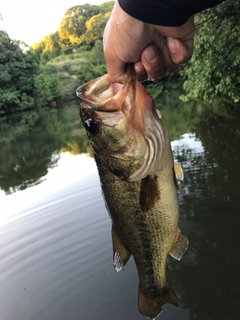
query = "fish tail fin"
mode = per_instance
[{"x": 150, "y": 303}]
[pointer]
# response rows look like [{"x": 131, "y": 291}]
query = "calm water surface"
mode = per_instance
[{"x": 56, "y": 252}]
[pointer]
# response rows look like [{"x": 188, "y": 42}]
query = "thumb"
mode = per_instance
[{"x": 115, "y": 69}]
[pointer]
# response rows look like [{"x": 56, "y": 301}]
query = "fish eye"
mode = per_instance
[{"x": 90, "y": 126}]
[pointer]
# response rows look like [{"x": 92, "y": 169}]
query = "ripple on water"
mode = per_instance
[
  {"x": 54, "y": 244},
  {"x": 56, "y": 261}
]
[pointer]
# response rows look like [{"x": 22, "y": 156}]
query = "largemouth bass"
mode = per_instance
[{"x": 132, "y": 150}]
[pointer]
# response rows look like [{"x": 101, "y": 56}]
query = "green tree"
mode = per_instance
[
  {"x": 106, "y": 7},
  {"x": 95, "y": 27},
  {"x": 96, "y": 24},
  {"x": 48, "y": 88},
  {"x": 17, "y": 70},
  {"x": 72, "y": 26},
  {"x": 214, "y": 71},
  {"x": 96, "y": 56},
  {"x": 52, "y": 47},
  {"x": 49, "y": 47},
  {"x": 95, "y": 66},
  {"x": 80, "y": 28},
  {"x": 38, "y": 47}
]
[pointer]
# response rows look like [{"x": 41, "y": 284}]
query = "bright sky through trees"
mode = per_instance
[{"x": 30, "y": 20}]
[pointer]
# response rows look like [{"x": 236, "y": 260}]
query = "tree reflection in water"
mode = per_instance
[
  {"x": 209, "y": 211},
  {"x": 207, "y": 278},
  {"x": 32, "y": 142}
]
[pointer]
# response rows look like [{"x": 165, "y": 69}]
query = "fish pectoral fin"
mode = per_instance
[
  {"x": 120, "y": 253},
  {"x": 149, "y": 193},
  {"x": 179, "y": 246},
  {"x": 178, "y": 171}
]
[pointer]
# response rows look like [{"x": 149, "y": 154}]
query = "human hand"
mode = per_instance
[{"x": 154, "y": 50}]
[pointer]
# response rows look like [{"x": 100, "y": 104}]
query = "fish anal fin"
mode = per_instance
[
  {"x": 178, "y": 172},
  {"x": 150, "y": 303},
  {"x": 149, "y": 193},
  {"x": 120, "y": 253},
  {"x": 179, "y": 246}
]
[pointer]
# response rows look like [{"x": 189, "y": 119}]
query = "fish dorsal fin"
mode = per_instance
[
  {"x": 149, "y": 193},
  {"x": 120, "y": 253},
  {"x": 178, "y": 171},
  {"x": 179, "y": 246}
]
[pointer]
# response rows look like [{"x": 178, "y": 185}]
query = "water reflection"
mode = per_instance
[
  {"x": 209, "y": 202},
  {"x": 31, "y": 144},
  {"x": 69, "y": 169},
  {"x": 55, "y": 235}
]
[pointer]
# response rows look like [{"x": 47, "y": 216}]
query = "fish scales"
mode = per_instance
[
  {"x": 138, "y": 178},
  {"x": 146, "y": 237}
]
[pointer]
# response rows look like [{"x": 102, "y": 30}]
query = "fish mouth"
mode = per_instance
[
  {"x": 100, "y": 94},
  {"x": 132, "y": 109},
  {"x": 104, "y": 95}
]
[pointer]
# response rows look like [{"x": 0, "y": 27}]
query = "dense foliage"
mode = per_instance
[
  {"x": 214, "y": 71},
  {"x": 51, "y": 70},
  {"x": 24, "y": 84},
  {"x": 81, "y": 26},
  {"x": 17, "y": 71},
  {"x": 28, "y": 81}
]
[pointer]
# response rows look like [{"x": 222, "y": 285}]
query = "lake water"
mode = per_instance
[{"x": 55, "y": 242}]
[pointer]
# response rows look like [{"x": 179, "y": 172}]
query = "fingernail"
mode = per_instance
[
  {"x": 151, "y": 55},
  {"x": 172, "y": 44}
]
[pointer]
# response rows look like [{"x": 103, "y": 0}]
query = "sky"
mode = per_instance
[{"x": 30, "y": 20}]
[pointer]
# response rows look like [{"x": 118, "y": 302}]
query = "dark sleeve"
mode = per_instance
[{"x": 165, "y": 12}]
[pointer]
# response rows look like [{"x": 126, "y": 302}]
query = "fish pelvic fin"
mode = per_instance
[
  {"x": 175, "y": 181},
  {"x": 150, "y": 303},
  {"x": 149, "y": 193},
  {"x": 179, "y": 246},
  {"x": 120, "y": 254},
  {"x": 178, "y": 171}
]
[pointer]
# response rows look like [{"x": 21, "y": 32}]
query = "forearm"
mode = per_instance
[{"x": 165, "y": 12}]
